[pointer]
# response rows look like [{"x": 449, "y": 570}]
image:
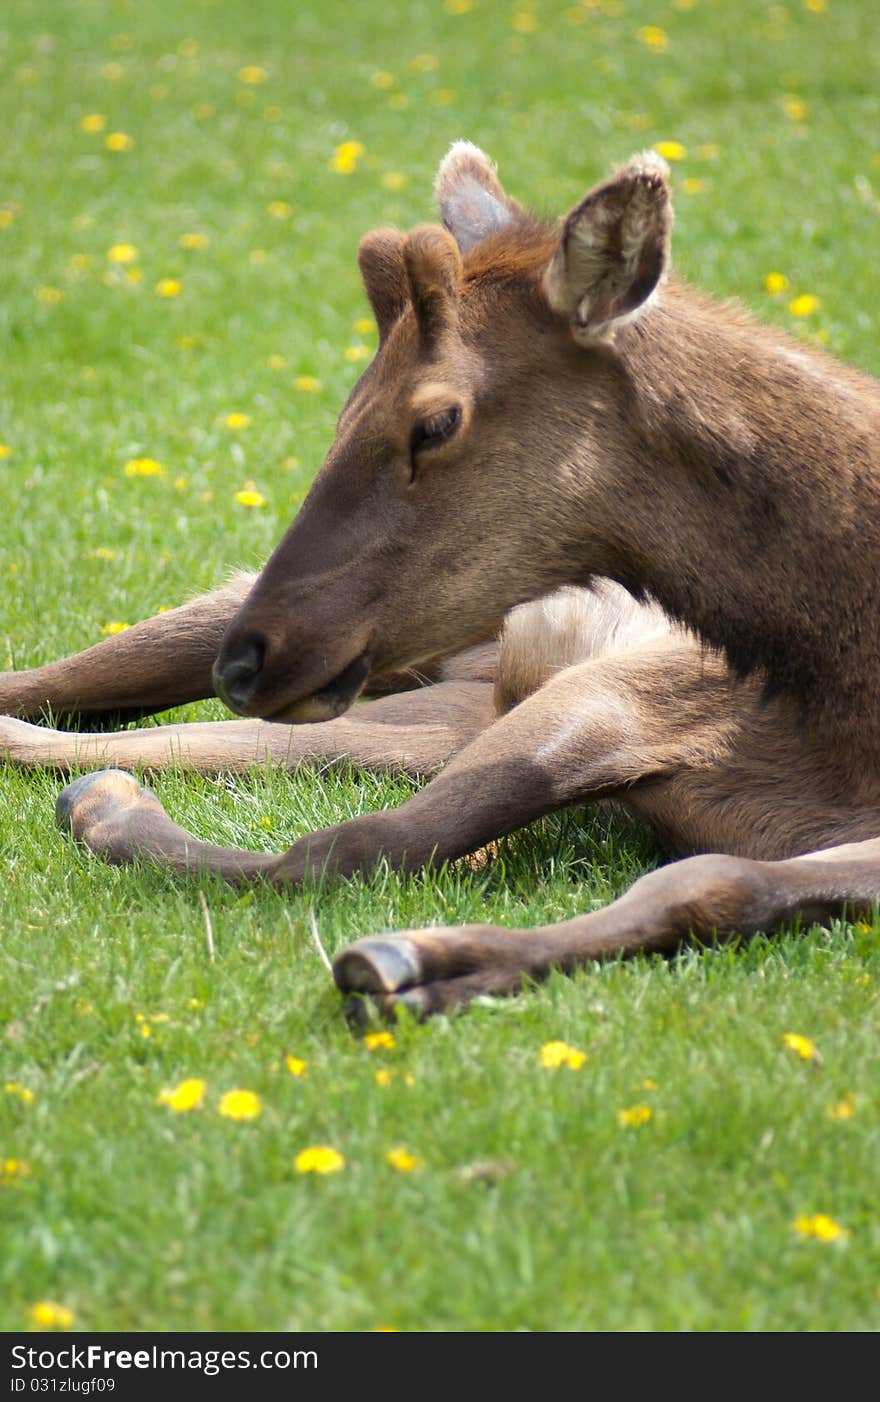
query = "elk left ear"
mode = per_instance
[
  {"x": 470, "y": 197},
  {"x": 614, "y": 250}
]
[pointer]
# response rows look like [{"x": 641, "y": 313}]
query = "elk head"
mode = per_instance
[{"x": 471, "y": 459}]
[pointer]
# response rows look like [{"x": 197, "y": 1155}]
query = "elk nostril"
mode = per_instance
[{"x": 237, "y": 670}]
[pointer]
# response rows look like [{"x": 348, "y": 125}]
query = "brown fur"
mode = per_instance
[{"x": 674, "y": 510}]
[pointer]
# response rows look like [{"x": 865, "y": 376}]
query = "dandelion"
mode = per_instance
[
  {"x": 524, "y": 22},
  {"x": 7, "y": 217},
  {"x": 169, "y": 287},
  {"x": 122, "y": 253},
  {"x": 364, "y": 326},
  {"x": 108, "y": 630},
  {"x": 319, "y": 1158},
  {"x": 384, "y": 1077},
  {"x": 401, "y": 1159},
  {"x": 50, "y": 296},
  {"x": 458, "y": 7},
  {"x": 775, "y": 283},
  {"x": 692, "y": 185},
  {"x": 843, "y": 1109},
  {"x": 295, "y": 1065},
  {"x": 554, "y": 1054},
  {"x": 382, "y": 80},
  {"x": 237, "y": 421},
  {"x": 653, "y": 37},
  {"x": 816, "y": 7},
  {"x": 276, "y": 362},
  {"x": 12, "y": 1171},
  {"x": 804, "y": 305},
  {"x": 376, "y": 1040},
  {"x": 794, "y": 107},
  {"x": 671, "y": 150},
  {"x": 20, "y": 1092},
  {"x": 249, "y": 496},
  {"x": 279, "y": 209},
  {"x": 181, "y": 483},
  {"x": 424, "y": 63},
  {"x": 346, "y": 157},
  {"x": 307, "y": 384},
  {"x": 93, "y": 122},
  {"x": 649, "y": 1083},
  {"x": 144, "y": 467},
  {"x": 355, "y": 353},
  {"x": 393, "y": 180},
  {"x": 196, "y": 1003},
  {"x": 252, "y": 73},
  {"x": 188, "y": 1095},
  {"x": 195, "y": 240},
  {"x": 802, "y": 1046},
  {"x": 119, "y": 141},
  {"x": 240, "y": 1105},
  {"x": 820, "y": 1227},
  {"x": 634, "y": 1117},
  {"x": 6, "y": 451},
  {"x": 48, "y": 1314}
]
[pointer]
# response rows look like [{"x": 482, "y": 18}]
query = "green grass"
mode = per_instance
[{"x": 137, "y": 1218}]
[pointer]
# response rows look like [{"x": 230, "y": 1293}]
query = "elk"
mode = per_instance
[{"x": 629, "y": 540}]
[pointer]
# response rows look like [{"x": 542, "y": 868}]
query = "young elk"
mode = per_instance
[{"x": 671, "y": 513}]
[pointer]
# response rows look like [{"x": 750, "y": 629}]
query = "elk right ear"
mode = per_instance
[
  {"x": 380, "y": 258},
  {"x": 471, "y": 200},
  {"x": 613, "y": 251}
]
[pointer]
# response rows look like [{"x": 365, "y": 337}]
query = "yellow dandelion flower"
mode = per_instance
[
  {"x": 279, "y": 209},
  {"x": 401, "y": 1159},
  {"x": 7, "y": 217},
  {"x": 20, "y": 1092},
  {"x": 649, "y": 1083},
  {"x": 376, "y": 1040},
  {"x": 821, "y": 1227},
  {"x": 194, "y": 240},
  {"x": 50, "y": 296},
  {"x": 12, "y": 1171},
  {"x": 276, "y": 362},
  {"x": 237, "y": 421},
  {"x": 554, "y": 1054},
  {"x": 384, "y": 1077},
  {"x": 382, "y": 80},
  {"x": 794, "y": 107},
  {"x": 653, "y": 37},
  {"x": 804, "y": 305},
  {"x": 249, "y": 496},
  {"x": 93, "y": 122},
  {"x": 119, "y": 141},
  {"x": 181, "y": 483},
  {"x": 364, "y": 326},
  {"x": 196, "y": 1003},
  {"x": 424, "y": 63},
  {"x": 524, "y": 22},
  {"x": 459, "y": 7},
  {"x": 634, "y": 1117},
  {"x": 816, "y": 7},
  {"x": 188, "y": 1095},
  {"x": 169, "y": 287},
  {"x": 692, "y": 185},
  {"x": 775, "y": 283},
  {"x": 319, "y": 1158},
  {"x": 295, "y": 1065},
  {"x": 6, "y": 451},
  {"x": 122, "y": 253},
  {"x": 354, "y": 353},
  {"x": 802, "y": 1046},
  {"x": 48, "y": 1314},
  {"x": 252, "y": 73},
  {"x": 670, "y": 150},
  {"x": 393, "y": 180},
  {"x": 842, "y": 1109},
  {"x": 240, "y": 1105},
  {"x": 346, "y": 157},
  {"x": 114, "y": 626},
  {"x": 307, "y": 384},
  {"x": 144, "y": 467}
]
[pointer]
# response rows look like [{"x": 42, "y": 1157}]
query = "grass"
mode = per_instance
[{"x": 135, "y": 1217}]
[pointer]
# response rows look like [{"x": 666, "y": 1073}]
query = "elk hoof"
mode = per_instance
[
  {"x": 112, "y": 784},
  {"x": 378, "y": 964}
]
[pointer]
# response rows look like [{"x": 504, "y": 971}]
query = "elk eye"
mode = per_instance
[{"x": 431, "y": 432}]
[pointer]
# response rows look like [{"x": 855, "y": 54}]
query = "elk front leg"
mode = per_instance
[
  {"x": 707, "y": 898},
  {"x": 160, "y": 662}
]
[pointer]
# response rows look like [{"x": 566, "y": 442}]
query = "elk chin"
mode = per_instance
[{"x": 332, "y": 700}]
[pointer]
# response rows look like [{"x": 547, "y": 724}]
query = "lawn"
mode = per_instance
[{"x": 182, "y": 190}]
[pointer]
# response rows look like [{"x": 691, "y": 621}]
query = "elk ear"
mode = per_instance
[
  {"x": 433, "y": 267},
  {"x": 614, "y": 249},
  {"x": 380, "y": 258},
  {"x": 469, "y": 195}
]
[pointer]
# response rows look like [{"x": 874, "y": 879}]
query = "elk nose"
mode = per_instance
[{"x": 237, "y": 671}]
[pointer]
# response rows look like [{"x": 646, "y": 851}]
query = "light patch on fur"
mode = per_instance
[{"x": 470, "y": 199}]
